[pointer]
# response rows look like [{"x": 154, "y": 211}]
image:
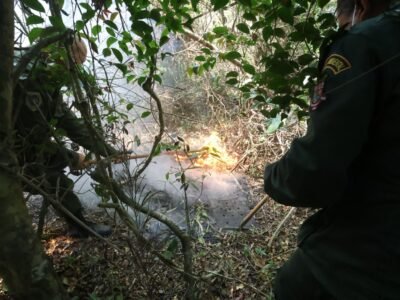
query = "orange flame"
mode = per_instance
[{"x": 212, "y": 155}]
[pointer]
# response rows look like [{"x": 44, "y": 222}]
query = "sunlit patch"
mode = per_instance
[
  {"x": 58, "y": 245},
  {"x": 211, "y": 155}
]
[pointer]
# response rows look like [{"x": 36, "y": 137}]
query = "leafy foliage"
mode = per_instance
[
  {"x": 272, "y": 46},
  {"x": 275, "y": 41}
]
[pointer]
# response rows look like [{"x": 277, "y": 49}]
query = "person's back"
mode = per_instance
[
  {"x": 348, "y": 164},
  {"x": 378, "y": 169},
  {"x": 367, "y": 218},
  {"x": 38, "y": 112}
]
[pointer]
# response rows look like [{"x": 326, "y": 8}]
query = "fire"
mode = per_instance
[{"x": 212, "y": 155}]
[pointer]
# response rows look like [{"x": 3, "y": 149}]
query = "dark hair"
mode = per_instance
[
  {"x": 375, "y": 3},
  {"x": 345, "y": 7}
]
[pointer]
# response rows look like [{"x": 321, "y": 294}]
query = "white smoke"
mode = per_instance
[{"x": 221, "y": 197}]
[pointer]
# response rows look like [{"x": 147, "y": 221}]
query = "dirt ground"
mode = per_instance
[
  {"x": 232, "y": 264},
  {"x": 237, "y": 264}
]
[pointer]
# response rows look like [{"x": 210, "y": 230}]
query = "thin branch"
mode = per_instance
[
  {"x": 185, "y": 239},
  {"x": 278, "y": 229},
  {"x": 60, "y": 206},
  {"x": 209, "y": 46},
  {"x": 241, "y": 281},
  {"x": 127, "y": 219},
  {"x": 34, "y": 51},
  {"x": 148, "y": 87}
]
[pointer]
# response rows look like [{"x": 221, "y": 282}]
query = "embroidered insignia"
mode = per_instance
[
  {"x": 336, "y": 63},
  {"x": 318, "y": 96}
]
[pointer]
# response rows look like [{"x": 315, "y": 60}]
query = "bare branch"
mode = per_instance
[{"x": 34, "y": 51}]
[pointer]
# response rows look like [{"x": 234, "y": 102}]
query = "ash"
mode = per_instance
[{"x": 215, "y": 200}]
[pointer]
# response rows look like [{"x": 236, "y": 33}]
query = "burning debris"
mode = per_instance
[
  {"x": 212, "y": 155},
  {"x": 199, "y": 181}
]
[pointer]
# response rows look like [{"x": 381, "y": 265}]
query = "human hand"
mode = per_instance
[
  {"x": 78, "y": 50},
  {"x": 79, "y": 162}
]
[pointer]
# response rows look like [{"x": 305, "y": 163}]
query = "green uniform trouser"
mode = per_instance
[
  {"x": 58, "y": 187},
  {"x": 61, "y": 187},
  {"x": 294, "y": 281}
]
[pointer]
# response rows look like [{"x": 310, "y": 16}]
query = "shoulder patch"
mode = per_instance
[{"x": 336, "y": 63}]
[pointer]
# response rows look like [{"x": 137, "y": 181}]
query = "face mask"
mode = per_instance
[{"x": 353, "y": 20}]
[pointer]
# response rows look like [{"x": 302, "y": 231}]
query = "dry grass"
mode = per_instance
[{"x": 234, "y": 265}]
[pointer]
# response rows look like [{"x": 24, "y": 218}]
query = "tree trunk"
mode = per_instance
[{"x": 23, "y": 264}]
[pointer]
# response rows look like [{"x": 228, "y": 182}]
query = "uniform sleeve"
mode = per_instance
[
  {"x": 77, "y": 131},
  {"x": 314, "y": 172}
]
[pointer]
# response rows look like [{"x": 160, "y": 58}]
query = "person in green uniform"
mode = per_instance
[
  {"x": 348, "y": 166},
  {"x": 39, "y": 114}
]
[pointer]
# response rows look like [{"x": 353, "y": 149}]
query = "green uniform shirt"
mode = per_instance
[
  {"x": 348, "y": 164},
  {"x": 35, "y": 108}
]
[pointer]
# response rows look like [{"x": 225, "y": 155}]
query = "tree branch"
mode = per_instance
[
  {"x": 148, "y": 87},
  {"x": 34, "y": 51},
  {"x": 210, "y": 46}
]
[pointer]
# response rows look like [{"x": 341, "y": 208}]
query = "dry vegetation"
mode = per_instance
[
  {"x": 233, "y": 264},
  {"x": 237, "y": 265}
]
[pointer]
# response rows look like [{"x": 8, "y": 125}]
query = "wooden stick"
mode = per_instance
[
  {"x": 278, "y": 229},
  {"x": 124, "y": 157},
  {"x": 252, "y": 212}
]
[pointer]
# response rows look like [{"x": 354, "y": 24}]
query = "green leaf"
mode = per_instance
[
  {"x": 88, "y": 15},
  {"x": 34, "y": 34},
  {"x": 110, "y": 31},
  {"x": 117, "y": 54},
  {"x": 122, "y": 67},
  {"x": 206, "y": 50},
  {"x": 34, "y": 4},
  {"x": 96, "y": 30},
  {"x": 106, "y": 52},
  {"x": 60, "y": 3},
  {"x": 266, "y": 33},
  {"x": 155, "y": 15},
  {"x": 322, "y": 3},
  {"x": 305, "y": 59},
  {"x": 218, "y": 4},
  {"x": 111, "y": 40},
  {"x": 157, "y": 78},
  {"x": 164, "y": 40},
  {"x": 279, "y": 32},
  {"x": 249, "y": 16},
  {"x": 124, "y": 48},
  {"x": 129, "y": 106},
  {"x": 221, "y": 30},
  {"x": 200, "y": 58},
  {"x": 141, "y": 27},
  {"x": 111, "y": 24},
  {"x": 130, "y": 78},
  {"x": 114, "y": 15},
  {"x": 243, "y": 27},
  {"x": 232, "y": 74},
  {"x": 232, "y": 55},
  {"x": 137, "y": 140},
  {"x": 33, "y": 20},
  {"x": 249, "y": 69},
  {"x": 79, "y": 25},
  {"x": 286, "y": 15},
  {"x": 173, "y": 245},
  {"x": 145, "y": 114},
  {"x": 232, "y": 81},
  {"x": 245, "y": 2},
  {"x": 93, "y": 45},
  {"x": 56, "y": 22},
  {"x": 275, "y": 124},
  {"x": 85, "y": 6},
  {"x": 194, "y": 4}
]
